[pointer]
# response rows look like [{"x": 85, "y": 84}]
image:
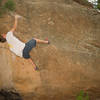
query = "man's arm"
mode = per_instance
[{"x": 15, "y": 23}]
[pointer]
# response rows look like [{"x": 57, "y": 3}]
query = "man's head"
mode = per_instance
[
  {"x": 3, "y": 31},
  {"x": 4, "y": 35},
  {"x": 3, "y": 38}
]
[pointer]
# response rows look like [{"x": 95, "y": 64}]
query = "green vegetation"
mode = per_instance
[
  {"x": 0, "y": 2},
  {"x": 82, "y": 96},
  {"x": 86, "y": 1},
  {"x": 98, "y": 6},
  {"x": 9, "y": 5}
]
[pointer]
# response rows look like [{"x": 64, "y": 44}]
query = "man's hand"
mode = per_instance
[{"x": 17, "y": 16}]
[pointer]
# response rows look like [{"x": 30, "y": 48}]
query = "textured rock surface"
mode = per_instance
[{"x": 69, "y": 64}]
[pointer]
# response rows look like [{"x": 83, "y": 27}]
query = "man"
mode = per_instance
[{"x": 18, "y": 47}]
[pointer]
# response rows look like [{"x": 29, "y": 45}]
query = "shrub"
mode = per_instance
[
  {"x": 82, "y": 96},
  {"x": 10, "y": 5},
  {"x": 0, "y": 2},
  {"x": 98, "y": 6}
]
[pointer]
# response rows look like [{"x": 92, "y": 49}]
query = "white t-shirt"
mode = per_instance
[{"x": 15, "y": 45}]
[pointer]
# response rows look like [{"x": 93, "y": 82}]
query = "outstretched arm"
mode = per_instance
[{"x": 15, "y": 23}]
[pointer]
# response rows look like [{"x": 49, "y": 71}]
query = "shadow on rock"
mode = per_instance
[{"x": 9, "y": 95}]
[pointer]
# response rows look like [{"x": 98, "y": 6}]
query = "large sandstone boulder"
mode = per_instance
[{"x": 69, "y": 64}]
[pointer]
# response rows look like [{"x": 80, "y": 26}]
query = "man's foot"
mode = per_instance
[{"x": 48, "y": 42}]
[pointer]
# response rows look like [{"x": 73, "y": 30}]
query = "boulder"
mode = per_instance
[{"x": 69, "y": 64}]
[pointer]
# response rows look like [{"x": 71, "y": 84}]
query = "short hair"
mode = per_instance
[{"x": 2, "y": 39}]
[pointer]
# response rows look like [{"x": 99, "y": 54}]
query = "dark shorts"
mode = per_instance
[{"x": 28, "y": 47}]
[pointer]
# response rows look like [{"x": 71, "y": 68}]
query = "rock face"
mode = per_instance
[{"x": 69, "y": 64}]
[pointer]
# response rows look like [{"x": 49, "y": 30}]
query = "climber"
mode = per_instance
[{"x": 18, "y": 47}]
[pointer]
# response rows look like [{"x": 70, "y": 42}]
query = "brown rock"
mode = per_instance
[{"x": 69, "y": 64}]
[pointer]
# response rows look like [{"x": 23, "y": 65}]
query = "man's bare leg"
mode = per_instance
[
  {"x": 33, "y": 63},
  {"x": 42, "y": 41}
]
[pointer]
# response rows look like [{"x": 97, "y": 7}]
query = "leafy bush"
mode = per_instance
[
  {"x": 10, "y": 5},
  {"x": 0, "y": 2},
  {"x": 98, "y": 6},
  {"x": 82, "y": 96},
  {"x": 98, "y": 1}
]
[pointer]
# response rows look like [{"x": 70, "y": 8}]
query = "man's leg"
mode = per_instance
[
  {"x": 42, "y": 41},
  {"x": 35, "y": 67}
]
